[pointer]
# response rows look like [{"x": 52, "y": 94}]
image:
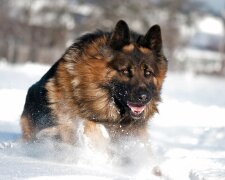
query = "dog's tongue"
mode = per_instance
[{"x": 136, "y": 109}]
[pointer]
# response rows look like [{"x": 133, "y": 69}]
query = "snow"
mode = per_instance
[
  {"x": 187, "y": 135},
  {"x": 211, "y": 25},
  {"x": 189, "y": 131}
]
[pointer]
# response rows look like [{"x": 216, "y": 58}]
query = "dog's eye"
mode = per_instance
[
  {"x": 125, "y": 72},
  {"x": 148, "y": 73}
]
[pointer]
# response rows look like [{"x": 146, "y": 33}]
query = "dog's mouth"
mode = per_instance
[{"x": 136, "y": 109}]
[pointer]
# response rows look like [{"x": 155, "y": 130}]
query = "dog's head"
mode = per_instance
[
  {"x": 117, "y": 75},
  {"x": 139, "y": 69}
]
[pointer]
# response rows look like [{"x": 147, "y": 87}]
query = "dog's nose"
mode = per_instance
[{"x": 142, "y": 97}]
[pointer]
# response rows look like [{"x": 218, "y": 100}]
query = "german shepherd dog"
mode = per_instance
[{"x": 109, "y": 82}]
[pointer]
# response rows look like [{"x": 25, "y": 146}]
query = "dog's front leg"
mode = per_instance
[
  {"x": 144, "y": 137},
  {"x": 96, "y": 135}
]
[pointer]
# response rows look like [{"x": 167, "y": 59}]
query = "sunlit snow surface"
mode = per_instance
[{"x": 188, "y": 134}]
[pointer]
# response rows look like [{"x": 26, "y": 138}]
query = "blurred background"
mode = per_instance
[{"x": 39, "y": 30}]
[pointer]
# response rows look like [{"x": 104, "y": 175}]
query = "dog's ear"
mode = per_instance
[
  {"x": 120, "y": 36},
  {"x": 153, "y": 39}
]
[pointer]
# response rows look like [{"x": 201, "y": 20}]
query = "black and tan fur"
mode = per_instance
[{"x": 93, "y": 82}]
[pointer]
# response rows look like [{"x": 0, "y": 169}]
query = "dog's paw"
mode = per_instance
[{"x": 157, "y": 171}]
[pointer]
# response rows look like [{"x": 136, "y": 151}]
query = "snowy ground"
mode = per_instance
[{"x": 187, "y": 136}]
